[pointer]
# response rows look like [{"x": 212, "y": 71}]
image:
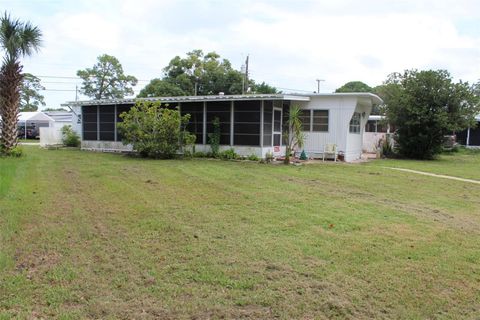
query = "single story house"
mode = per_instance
[{"x": 251, "y": 124}]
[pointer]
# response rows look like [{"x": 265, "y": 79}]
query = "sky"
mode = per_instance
[{"x": 290, "y": 43}]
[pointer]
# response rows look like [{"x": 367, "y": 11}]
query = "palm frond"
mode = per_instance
[{"x": 18, "y": 38}]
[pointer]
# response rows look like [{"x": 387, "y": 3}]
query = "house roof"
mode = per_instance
[{"x": 293, "y": 97}]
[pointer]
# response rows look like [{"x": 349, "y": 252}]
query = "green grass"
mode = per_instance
[
  {"x": 462, "y": 164},
  {"x": 29, "y": 140},
  {"x": 90, "y": 235}
]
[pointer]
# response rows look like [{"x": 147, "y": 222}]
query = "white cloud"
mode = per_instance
[{"x": 290, "y": 43}]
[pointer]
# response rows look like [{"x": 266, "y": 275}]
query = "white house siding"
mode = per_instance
[
  {"x": 355, "y": 140},
  {"x": 340, "y": 111}
]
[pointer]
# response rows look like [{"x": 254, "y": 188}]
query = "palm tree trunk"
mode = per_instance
[{"x": 10, "y": 81}]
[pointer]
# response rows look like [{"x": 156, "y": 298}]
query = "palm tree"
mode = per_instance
[
  {"x": 17, "y": 39},
  {"x": 294, "y": 135}
]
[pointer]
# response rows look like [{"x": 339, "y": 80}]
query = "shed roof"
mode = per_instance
[{"x": 33, "y": 116}]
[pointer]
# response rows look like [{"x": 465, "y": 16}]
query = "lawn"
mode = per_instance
[
  {"x": 463, "y": 164},
  {"x": 91, "y": 235}
]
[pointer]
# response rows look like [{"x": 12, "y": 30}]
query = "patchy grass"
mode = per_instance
[
  {"x": 90, "y": 235},
  {"x": 463, "y": 164}
]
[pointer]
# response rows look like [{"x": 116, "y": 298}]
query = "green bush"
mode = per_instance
[
  {"x": 69, "y": 137},
  {"x": 269, "y": 157},
  {"x": 154, "y": 131},
  {"x": 15, "y": 152},
  {"x": 229, "y": 154},
  {"x": 200, "y": 154},
  {"x": 214, "y": 137},
  {"x": 253, "y": 157}
]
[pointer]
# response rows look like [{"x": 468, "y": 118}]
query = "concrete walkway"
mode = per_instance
[{"x": 435, "y": 175}]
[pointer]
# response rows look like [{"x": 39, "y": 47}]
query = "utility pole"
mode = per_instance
[
  {"x": 76, "y": 92},
  {"x": 245, "y": 89},
  {"x": 318, "y": 84}
]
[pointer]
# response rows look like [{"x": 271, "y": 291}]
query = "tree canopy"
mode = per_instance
[
  {"x": 30, "y": 97},
  {"x": 201, "y": 74},
  {"x": 355, "y": 86},
  {"x": 426, "y": 105},
  {"x": 106, "y": 80}
]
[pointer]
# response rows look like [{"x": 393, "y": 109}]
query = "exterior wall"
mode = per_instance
[
  {"x": 371, "y": 139},
  {"x": 50, "y": 136},
  {"x": 108, "y": 146},
  {"x": 115, "y": 146},
  {"x": 76, "y": 121},
  {"x": 340, "y": 112},
  {"x": 355, "y": 140}
]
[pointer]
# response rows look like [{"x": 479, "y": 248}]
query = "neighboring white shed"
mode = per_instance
[
  {"x": 53, "y": 135},
  {"x": 34, "y": 120}
]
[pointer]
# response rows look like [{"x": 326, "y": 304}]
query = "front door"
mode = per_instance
[{"x": 277, "y": 129}]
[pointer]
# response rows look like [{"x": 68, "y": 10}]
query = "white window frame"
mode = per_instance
[{"x": 354, "y": 127}]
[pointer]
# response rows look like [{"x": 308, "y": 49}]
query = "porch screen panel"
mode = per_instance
[
  {"x": 121, "y": 109},
  {"x": 247, "y": 123},
  {"x": 267, "y": 123},
  {"x": 107, "y": 122},
  {"x": 286, "y": 114},
  {"x": 195, "y": 124},
  {"x": 89, "y": 122},
  {"x": 220, "y": 109}
]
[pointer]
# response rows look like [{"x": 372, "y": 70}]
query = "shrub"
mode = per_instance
[
  {"x": 15, "y": 152},
  {"x": 154, "y": 131},
  {"x": 200, "y": 154},
  {"x": 69, "y": 137},
  {"x": 229, "y": 154},
  {"x": 253, "y": 157},
  {"x": 214, "y": 137},
  {"x": 386, "y": 147},
  {"x": 269, "y": 157},
  {"x": 426, "y": 105}
]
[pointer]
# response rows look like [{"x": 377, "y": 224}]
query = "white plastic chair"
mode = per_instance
[{"x": 330, "y": 149}]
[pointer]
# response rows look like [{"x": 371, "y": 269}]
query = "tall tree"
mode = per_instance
[
  {"x": 262, "y": 88},
  {"x": 203, "y": 74},
  {"x": 355, "y": 86},
  {"x": 106, "y": 80},
  {"x": 161, "y": 88},
  {"x": 426, "y": 105},
  {"x": 30, "y": 97},
  {"x": 17, "y": 39}
]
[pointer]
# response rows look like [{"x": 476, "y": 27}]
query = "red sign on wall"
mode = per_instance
[{"x": 276, "y": 149}]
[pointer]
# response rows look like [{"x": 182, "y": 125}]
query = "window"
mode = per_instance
[
  {"x": 314, "y": 120},
  {"x": 320, "y": 121},
  {"x": 355, "y": 123},
  {"x": 306, "y": 118},
  {"x": 371, "y": 126}
]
